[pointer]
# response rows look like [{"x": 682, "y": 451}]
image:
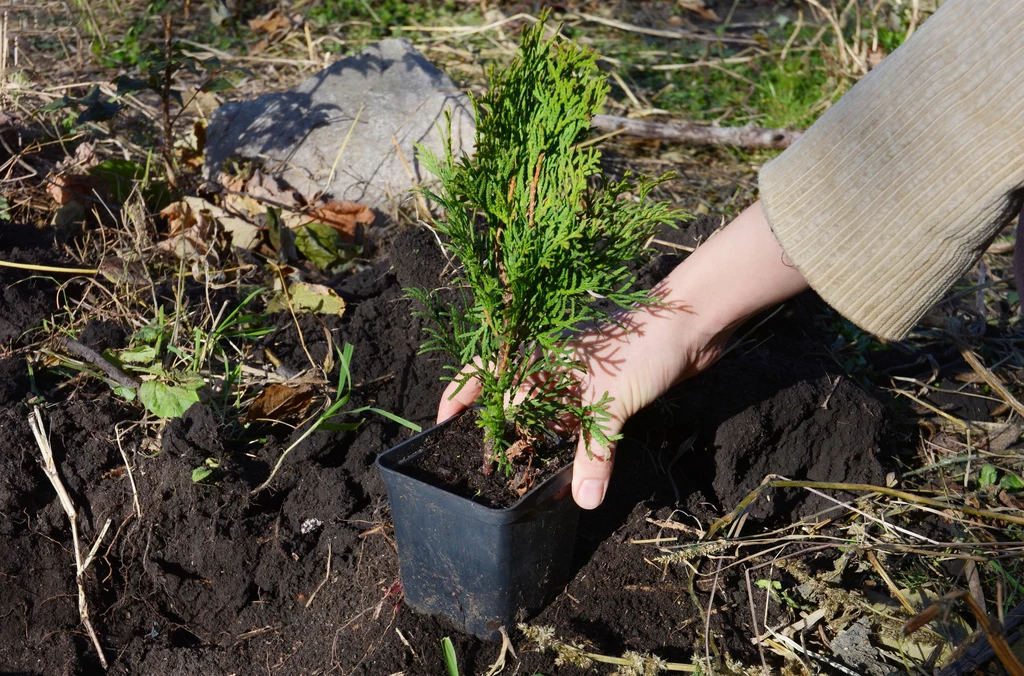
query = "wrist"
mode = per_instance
[{"x": 740, "y": 271}]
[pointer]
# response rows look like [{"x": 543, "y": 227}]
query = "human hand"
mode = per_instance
[{"x": 738, "y": 272}]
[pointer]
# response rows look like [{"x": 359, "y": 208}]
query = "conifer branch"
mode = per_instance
[{"x": 537, "y": 240}]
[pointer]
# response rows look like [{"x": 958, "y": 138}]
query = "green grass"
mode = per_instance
[{"x": 376, "y": 19}]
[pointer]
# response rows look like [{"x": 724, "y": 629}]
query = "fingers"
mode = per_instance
[
  {"x": 452, "y": 403},
  {"x": 593, "y": 469}
]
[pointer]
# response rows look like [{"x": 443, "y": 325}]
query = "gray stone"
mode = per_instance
[
  {"x": 853, "y": 646},
  {"x": 298, "y": 133}
]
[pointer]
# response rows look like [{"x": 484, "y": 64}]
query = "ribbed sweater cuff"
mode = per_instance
[{"x": 897, "y": 189}]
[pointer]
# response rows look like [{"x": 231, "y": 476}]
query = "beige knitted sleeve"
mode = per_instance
[{"x": 898, "y": 188}]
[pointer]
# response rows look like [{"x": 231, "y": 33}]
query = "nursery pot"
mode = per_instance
[{"x": 482, "y": 568}]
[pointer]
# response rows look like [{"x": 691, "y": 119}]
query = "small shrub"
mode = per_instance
[{"x": 540, "y": 234}]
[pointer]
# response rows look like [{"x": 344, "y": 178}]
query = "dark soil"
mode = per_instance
[{"x": 304, "y": 578}]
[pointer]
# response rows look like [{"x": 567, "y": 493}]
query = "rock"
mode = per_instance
[
  {"x": 853, "y": 646},
  {"x": 388, "y": 90}
]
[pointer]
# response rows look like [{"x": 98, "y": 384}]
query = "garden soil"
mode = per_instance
[{"x": 303, "y": 578}]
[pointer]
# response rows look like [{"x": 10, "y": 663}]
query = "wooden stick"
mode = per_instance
[
  {"x": 990, "y": 378},
  {"x": 982, "y": 651},
  {"x": 740, "y": 137},
  {"x": 35, "y": 421},
  {"x": 90, "y": 355},
  {"x": 49, "y": 268},
  {"x": 662, "y": 33}
]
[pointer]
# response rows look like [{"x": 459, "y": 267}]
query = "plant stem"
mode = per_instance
[
  {"x": 90, "y": 355},
  {"x": 165, "y": 104},
  {"x": 856, "y": 488}
]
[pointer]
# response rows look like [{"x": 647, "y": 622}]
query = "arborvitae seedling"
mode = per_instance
[{"x": 539, "y": 234}]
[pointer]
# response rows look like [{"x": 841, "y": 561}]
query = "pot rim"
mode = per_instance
[{"x": 396, "y": 458}]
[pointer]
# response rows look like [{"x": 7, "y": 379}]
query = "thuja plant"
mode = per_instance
[{"x": 540, "y": 234}]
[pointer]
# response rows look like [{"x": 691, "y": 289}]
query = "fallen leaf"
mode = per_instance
[
  {"x": 271, "y": 188},
  {"x": 281, "y": 403},
  {"x": 179, "y": 217},
  {"x": 345, "y": 217},
  {"x": 84, "y": 159},
  {"x": 517, "y": 449},
  {"x": 1011, "y": 501},
  {"x": 322, "y": 245},
  {"x": 874, "y": 57},
  {"x": 698, "y": 7},
  {"x": 270, "y": 22},
  {"x": 260, "y": 46},
  {"x": 306, "y": 297},
  {"x": 64, "y": 189},
  {"x": 194, "y": 222}
]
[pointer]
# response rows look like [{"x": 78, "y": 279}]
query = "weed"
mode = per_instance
[
  {"x": 774, "y": 587},
  {"x": 333, "y": 410},
  {"x": 450, "y": 660}
]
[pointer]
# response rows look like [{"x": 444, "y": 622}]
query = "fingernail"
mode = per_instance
[{"x": 591, "y": 493}]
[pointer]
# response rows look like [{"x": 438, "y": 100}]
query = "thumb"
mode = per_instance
[{"x": 593, "y": 468}]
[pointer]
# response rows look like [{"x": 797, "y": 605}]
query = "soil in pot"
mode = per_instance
[{"x": 453, "y": 459}]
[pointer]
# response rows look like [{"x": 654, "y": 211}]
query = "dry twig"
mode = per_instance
[
  {"x": 740, "y": 137},
  {"x": 35, "y": 421}
]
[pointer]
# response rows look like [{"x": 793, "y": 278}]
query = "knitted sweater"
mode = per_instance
[{"x": 899, "y": 187}]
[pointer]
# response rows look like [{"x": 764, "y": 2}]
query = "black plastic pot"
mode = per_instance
[{"x": 480, "y": 567}]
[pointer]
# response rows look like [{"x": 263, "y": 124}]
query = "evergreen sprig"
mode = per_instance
[{"x": 540, "y": 234}]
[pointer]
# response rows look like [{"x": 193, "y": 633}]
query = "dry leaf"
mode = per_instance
[
  {"x": 1011, "y": 501},
  {"x": 83, "y": 160},
  {"x": 281, "y": 403},
  {"x": 68, "y": 187},
  {"x": 270, "y": 22},
  {"x": 698, "y": 7},
  {"x": 874, "y": 57},
  {"x": 232, "y": 183},
  {"x": 517, "y": 449},
  {"x": 179, "y": 217},
  {"x": 273, "y": 190},
  {"x": 194, "y": 225},
  {"x": 307, "y": 297},
  {"x": 348, "y": 218}
]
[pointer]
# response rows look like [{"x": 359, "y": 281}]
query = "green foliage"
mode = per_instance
[
  {"x": 988, "y": 476},
  {"x": 450, "y": 661},
  {"x": 324, "y": 247},
  {"x": 175, "y": 366},
  {"x": 1011, "y": 482},
  {"x": 156, "y": 69},
  {"x": 206, "y": 470},
  {"x": 375, "y": 19},
  {"x": 170, "y": 397},
  {"x": 540, "y": 233},
  {"x": 91, "y": 108},
  {"x": 131, "y": 48},
  {"x": 774, "y": 588},
  {"x": 5, "y": 209}
]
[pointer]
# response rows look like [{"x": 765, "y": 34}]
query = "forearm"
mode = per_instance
[{"x": 737, "y": 273}]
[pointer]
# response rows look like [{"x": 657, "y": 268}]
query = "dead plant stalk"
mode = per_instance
[{"x": 35, "y": 421}]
